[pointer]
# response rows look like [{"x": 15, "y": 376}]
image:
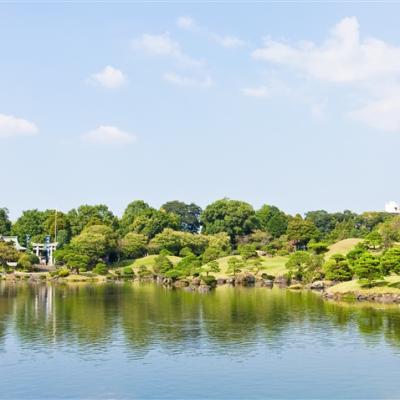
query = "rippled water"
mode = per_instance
[{"x": 144, "y": 341}]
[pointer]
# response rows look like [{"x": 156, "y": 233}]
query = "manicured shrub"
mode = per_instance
[
  {"x": 27, "y": 261},
  {"x": 143, "y": 271},
  {"x": 128, "y": 272},
  {"x": 162, "y": 264},
  {"x": 100, "y": 269},
  {"x": 186, "y": 251},
  {"x": 337, "y": 268},
  {"x": 62, "y": 273},
  {"x": 209, "y": 280},
  {"x": 247, "y": 251}
]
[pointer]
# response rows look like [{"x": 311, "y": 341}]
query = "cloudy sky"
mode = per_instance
[{"x": 293, "y": 105}]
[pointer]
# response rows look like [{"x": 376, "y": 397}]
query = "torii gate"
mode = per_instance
[{"x": 48, "y": 248}]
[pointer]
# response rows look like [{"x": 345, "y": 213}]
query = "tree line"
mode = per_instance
[{"x": 91, "y": 236}]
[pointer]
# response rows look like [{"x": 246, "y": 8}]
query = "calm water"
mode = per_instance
[{"x": 143, "y": 341}]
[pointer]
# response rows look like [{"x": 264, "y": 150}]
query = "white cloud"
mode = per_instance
[
  {"x": 368, "y": 66},
  {"x": 163, "y": 45},
  {"x": 109, "y": 77},
  {"x": 260, "y": 91},
  {"x": 189, "y": 24},
  {"x": 157, "y": 45},
  {"x": 343, "y": 57},
  {"x": 180, "y": 80},
  {"x": 105, "y": 134},
  {"x": 11, "y": 126}
]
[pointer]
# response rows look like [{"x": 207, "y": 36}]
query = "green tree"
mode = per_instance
[
  {"x": 87, "y": 215},
  {"x": 27, "y": 261},
  {"x": 356, "y": 253},
  {"x": 256, "y": 266},
  {"x": 74, "y": 261},
  {"x": 154, "y": 223},
  {"x": 218, "y": 246},
  {"x": 135, "y": 209},
  {"x": 133, "y": 245},
  {"x": 236, "y": 218},
  {"x": 373, "y": 240},
  {"x": 162, "y": 264},
  {"x": 30, "y": 223},
  {"x": 175, "y": 241},
  {"x": 100, "y": 269},
  {"x": 189, "y": 215},
  {"x": 390, "y": 231},
  {"x": 298, "y": 263},
  {"x": 189, "y": 265},
  {"x": 390, "y": 261},
  {"x": 247, "y": 251},
  {"x": 301, "y": 231},
  {"x": 235, "y": 266},
  {"x": 8, "y": 253},
  {"x": 324, "y": 221},
  {"x": 368, "y": 267},
  {"x": 5, "y": 223},
  {"x": 318, "y": 247},
  {"x": 272, "y": 220},
  {"x": 96, "y": 241},
  {"x": 211, "y": 266},
  {"x": 337, "y": 268}
]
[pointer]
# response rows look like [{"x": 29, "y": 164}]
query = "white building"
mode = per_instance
[
  {"x": 14, "y": 240},
  {"x": 392, "y": 207}
]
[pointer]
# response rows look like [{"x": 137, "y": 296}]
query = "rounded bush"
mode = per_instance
[
  {"x": 128, "y": 271},
  {"x": 100, "y": 269},
  {"x": 62, "y": 273},
  {"x": 209, "y": 280}
]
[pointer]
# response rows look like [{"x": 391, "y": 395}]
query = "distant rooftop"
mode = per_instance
[
  {"x": 392, "y": 207},
  {"x": 13, "y": 239}
]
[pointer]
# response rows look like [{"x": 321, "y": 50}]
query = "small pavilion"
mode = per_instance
[{"x": 14, "y": 240}]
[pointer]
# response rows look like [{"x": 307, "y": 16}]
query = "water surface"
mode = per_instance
[{"x": 144, "y": 341}]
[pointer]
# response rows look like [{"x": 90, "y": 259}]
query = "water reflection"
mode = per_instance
[{"x": 140, "y": 316}]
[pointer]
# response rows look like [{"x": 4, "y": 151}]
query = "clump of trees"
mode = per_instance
[{"x": 91, "y": 238}]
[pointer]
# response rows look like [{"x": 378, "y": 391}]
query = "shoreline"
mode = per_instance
[{"x": 326, "y": 289}]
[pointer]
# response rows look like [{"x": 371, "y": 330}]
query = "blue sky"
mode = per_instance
[{"x": 286, "y": 104}]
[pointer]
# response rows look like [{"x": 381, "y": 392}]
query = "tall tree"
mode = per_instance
[
  {"x": 234, "y": 217},
  {"x": 133, "y": 210},
  {"x": 30, "y": 223},
  {"x": 301, "y": 231},
  {"x": 87, "y": 215},
  {"x": 272, "y": 220},
  {"x": 324, "y": 221},
  {"x": 189, "y": 215},
  {"x": 5, "y": 223}
]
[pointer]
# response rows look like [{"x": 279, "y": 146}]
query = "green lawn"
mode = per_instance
[
  {"x": 273, "y": 266},
  {"x": 342, "y": 247},
  {"x": 354, "y": 286},
  {"x": 148, "y": 261}
]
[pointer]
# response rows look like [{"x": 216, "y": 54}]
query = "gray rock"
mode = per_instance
[{"x": 317, "y": 285}]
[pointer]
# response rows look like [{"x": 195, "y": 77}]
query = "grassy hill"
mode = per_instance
[
  {"x": 148, "y": 261},
  {"x": 273, "y": 266},
  {"x": 342, "y": 247}
]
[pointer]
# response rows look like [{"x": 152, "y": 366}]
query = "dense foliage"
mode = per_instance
[{"x": 91, "y": 237}]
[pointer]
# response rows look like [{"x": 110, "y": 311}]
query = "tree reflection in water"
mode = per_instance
[{"x": 146, "y": 314}]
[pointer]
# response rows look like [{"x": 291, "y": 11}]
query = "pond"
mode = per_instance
[{"x": 145, "y": 341}]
